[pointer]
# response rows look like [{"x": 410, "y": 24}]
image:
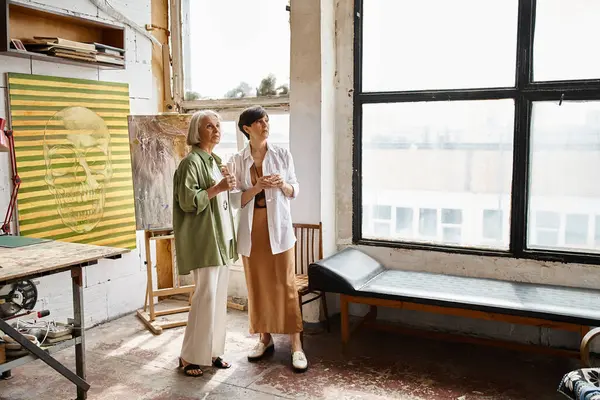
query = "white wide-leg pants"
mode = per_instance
[{"x": 205, "y": 332}]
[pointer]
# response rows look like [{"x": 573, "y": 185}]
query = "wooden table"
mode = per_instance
[{"x": 51, "y": 257}]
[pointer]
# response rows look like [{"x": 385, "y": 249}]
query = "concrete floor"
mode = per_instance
[{"x": 125, "y": 361}]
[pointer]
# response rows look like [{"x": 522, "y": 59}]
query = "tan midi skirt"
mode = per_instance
[{"x": 272, "y": 295}]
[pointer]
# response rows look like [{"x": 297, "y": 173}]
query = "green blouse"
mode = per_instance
[{"x": 197, "y": 222}]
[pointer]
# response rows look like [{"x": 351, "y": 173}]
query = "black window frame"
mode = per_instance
[{"x": 524, "y": 93}]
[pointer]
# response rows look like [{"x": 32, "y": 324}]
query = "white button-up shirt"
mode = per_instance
[{"x": 281, "y": 232}]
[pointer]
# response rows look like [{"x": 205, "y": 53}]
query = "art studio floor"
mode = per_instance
[{"x": 126, "y": 362}]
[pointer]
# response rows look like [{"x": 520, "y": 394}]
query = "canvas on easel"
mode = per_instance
[{"x": 158, "y": 144}]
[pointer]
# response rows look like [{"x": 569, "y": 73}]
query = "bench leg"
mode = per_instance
[
  {"x": 372, "y": 314},
  {"x": 325, "y": 311},
  {"x": 345, "y": 320},
  {"x": 584, "y": 349}
]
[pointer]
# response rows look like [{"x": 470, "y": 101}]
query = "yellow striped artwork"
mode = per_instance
[{"x": 73, "y": 157}]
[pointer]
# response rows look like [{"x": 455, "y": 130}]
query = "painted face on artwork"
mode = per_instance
[
  {"x": 259, "y": 130},
  {"x": 210, "y": 130},
  {"x": 78, "y": 166}
]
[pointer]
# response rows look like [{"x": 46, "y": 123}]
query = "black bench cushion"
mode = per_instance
[
  {"x": 354, "y": 273},
  {"x": 344, "y": 272}
]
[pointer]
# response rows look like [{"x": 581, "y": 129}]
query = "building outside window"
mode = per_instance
[
  {"x": 404, "y": 221},
  {"x": 576, "y": 230},
  {"x": 492, "y": 225},
  {"x": 547, "y": 229},
  {"x": 382, "y": 217},
  {"x": 452, "y": 226}
]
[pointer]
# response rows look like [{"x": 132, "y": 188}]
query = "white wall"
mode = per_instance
[
  {"x": 305, "y": 108},
  {"x": 312, "y": 106},
  {"x": 113, "y": 287}
]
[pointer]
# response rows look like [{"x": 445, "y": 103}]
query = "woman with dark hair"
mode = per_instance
[{"x": 266, "y": 182}]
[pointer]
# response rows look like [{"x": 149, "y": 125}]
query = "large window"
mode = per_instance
[
  {"x": 236, "y": 48},
  {"x": 477, "y": 126},
  {"x": 235, "y": 59}
]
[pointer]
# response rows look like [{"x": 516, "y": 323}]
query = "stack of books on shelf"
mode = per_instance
[
  {"x": 64, "y": 48},
  {"x": 109, "y": 55}
]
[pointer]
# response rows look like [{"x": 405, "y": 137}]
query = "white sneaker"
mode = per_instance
[
  {"x": 260, "y": 349},
  {"x": 299, "y": 361}
]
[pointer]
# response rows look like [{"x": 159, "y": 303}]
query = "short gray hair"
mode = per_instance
[{"x": 193, "y": 136}]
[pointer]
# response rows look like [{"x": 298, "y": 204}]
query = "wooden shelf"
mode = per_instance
[
  {"x": 21, "y": 21},
  {"x": 14, "y": 363},
  {"x": 57, "y": 60}
]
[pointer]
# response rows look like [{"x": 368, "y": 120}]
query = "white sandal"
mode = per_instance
[{"x": 299, "y": 361}]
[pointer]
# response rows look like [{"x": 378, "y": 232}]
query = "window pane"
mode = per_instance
[
  {"x": 427, "y": 222},
  {"x": 547, "y": 238},
  {"x": 576, "y": 229},
  {"x": 382, "y": 212},
  {"x": 231, "y": 46},
  {"x": 279, "y": 132},
  {"x": 492, "y": 224},
  {"x": 564, "y": 158},
  {"x": 566, "y": 34},
  {"x": 547, "y": 220},
  {"x": 404, "y": 220},
  {"x": 279, "y": 129},
  {"x": 452, "y": 235},
  {"x": 228, "y": 147},
  {"x": 382, "y": 230},
  {"x": 438, "y": 44},
  {"x": 451, "y": 216},
  {"x": 441, "y": 155}
]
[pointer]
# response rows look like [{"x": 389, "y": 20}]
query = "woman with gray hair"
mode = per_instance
[{"x": 205, "y": 242}]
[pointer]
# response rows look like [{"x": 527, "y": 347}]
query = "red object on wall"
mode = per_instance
[
  {"x": 4, "y": 146},
  {"x": 7, "y": 135}
]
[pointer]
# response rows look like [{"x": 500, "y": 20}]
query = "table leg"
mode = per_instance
[{"x": 77, "y": 278}]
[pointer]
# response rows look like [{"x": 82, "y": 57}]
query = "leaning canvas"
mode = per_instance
[
  {"x": 157, "y": 147},
  {"x": 72, "y": 150}
]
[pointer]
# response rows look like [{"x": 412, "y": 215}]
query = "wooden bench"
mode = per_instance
[{"x": 359, "y": 278}]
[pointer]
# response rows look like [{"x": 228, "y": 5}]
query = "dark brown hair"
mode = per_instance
[{"x": 249, "y": 116}]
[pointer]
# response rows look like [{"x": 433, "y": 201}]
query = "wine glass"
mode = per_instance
[
  {"x": 270, "y": 193},
  {"x": 231, "y": 168}
]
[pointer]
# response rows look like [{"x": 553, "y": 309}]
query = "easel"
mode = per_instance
[{"x": 167, "y": 281}]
